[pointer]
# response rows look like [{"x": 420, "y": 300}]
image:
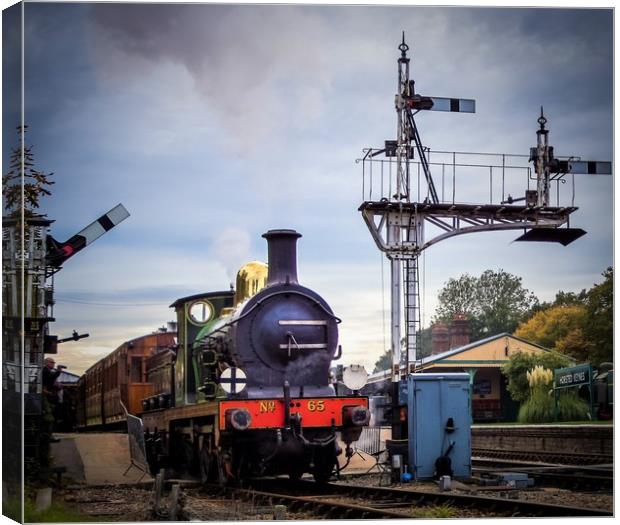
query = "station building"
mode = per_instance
[
  {"x": 483, "y": 360},
  {"x": 452, "y": 351}
]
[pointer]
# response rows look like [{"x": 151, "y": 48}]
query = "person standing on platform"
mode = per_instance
[{"x": 51, "y": 397}]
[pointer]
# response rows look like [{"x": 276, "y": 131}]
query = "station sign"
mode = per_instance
[{"x": 573, "y": 376}]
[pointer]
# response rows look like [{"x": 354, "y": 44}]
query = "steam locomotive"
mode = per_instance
[{"x": 246, "y": 389}]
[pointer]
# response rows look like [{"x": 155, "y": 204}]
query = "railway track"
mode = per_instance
[
  {"x": 339, "y": 501},
  {"x": 563, "y": 458},
  {"x": 588, "y": 478}
]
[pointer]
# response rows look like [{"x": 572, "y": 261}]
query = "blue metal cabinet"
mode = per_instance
[{"x": 438, "y": 416}]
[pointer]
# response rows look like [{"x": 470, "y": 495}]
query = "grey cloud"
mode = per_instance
[{"x": 247, "y": 61}]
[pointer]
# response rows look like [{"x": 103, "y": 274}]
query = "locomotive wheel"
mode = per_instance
[
  {"x": 295, "y": 474},
  {"x": 207, "y": 464},
  {"x": 212, "y": 468},
  {"x": 324, "y": 462}
]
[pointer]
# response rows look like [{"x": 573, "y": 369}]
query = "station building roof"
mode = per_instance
[{"x": 490, "y": 352}]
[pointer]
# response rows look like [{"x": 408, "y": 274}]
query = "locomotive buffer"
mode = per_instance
[{"x": 397, "y": 223}]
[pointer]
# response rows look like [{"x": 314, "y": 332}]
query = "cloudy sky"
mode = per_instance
[{"x": 215, "y": 123}]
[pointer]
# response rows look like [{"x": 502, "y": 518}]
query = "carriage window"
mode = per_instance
[
  {"x": 200, "y": 312},
  {"x": 136, "y": 370}
]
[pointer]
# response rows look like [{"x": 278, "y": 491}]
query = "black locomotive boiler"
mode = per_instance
[{"x": 251, "y": 393}]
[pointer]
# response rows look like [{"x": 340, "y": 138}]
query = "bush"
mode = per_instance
[
  {"x": 539, "y": 408},
  {"x": 520, "y": 363},
  {"x": 572, "y": 408}
]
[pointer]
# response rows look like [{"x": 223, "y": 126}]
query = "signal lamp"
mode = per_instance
[{"x": 355, "y": 377}]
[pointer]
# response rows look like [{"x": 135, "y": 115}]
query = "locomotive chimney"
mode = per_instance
[{"x": 282, "y": 256}]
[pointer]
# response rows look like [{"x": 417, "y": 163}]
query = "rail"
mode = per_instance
[{"x": 339, "y": 501}]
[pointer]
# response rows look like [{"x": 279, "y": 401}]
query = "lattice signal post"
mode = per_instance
[
  {"x": 30, "y": 258},
  {"x": 399, "y": 224}
]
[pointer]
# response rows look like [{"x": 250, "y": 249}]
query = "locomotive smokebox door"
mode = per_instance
[{"x": 285, "y": 332}]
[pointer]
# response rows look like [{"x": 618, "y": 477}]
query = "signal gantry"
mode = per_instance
[{"x": 404, "y": 222}]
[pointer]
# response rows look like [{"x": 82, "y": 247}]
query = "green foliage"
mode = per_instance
[
  {"x": 520, "y": 363},
  {"x": 384, "y": 362},
  {"x": 12, "y": 508},
  {"x": 458, "y": 296},
  {"x": 570, "y": 298},
  {"x": 538, "y": 408},
  {"x": 56, "y": 513},
  {"x": 571, "y": 407},
  {"x": 23, "y": 177},
  {"x": 436, "y": 511},
  {"x": 599, "y": 322},
  {"x": 579, "y": 325},
  {"x": 560, "y": 328},
  {"x": 561, "y": 299},
  {"x": 426, "y": 343},
  {"x": 494, "y": 303}
]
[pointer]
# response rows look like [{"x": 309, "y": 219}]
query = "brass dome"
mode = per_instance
[{"x": 251, "y": 279}]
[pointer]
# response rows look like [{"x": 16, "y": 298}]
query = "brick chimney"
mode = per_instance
[
  {"x": 440, "y": 338},
  {"x": 460, "y": 331}
]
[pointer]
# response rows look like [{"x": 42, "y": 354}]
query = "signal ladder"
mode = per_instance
[{"x": 412, "y": 309}]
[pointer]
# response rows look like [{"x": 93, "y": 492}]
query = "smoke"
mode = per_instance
[
  {"x": 248, "y": 62},
  {"x": 231, "y": 247}
]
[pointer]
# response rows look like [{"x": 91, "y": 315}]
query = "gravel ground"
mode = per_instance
[
  {"x": 110, "y": 503},
  {"x": 556, "y": 496},
  {"x": 201, "y": 508},
  {"x": 123, "y": 503}
]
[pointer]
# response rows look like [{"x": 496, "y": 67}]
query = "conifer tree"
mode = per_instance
[{"x": 22, "y": 171}]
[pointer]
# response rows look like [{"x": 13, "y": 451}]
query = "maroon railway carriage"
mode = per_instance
[{"x": 119, "y": 377}]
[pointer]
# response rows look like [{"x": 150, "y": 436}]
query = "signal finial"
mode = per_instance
[
  {"x": 403, "y": 47},
  {"x": 542, "y": 120}
]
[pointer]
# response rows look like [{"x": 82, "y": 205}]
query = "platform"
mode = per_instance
[
  {"x": 96, "y": 459},
  {"x": 569, "y": 439}
]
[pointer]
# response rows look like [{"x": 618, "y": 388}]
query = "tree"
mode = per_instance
[
  {"x": 384, "y": 362},
  {"x": 599, "y": 321},
  {"x": 579, "y": 325},
  {"x": 521, "y": 363},
  {"x": 35, "y": 183},
  {"x": 458, "y": 296},
  {"x": 560, "y": 328},
  {"x": 495, "y": 302},
  {"x": 561, "y": 299}
]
